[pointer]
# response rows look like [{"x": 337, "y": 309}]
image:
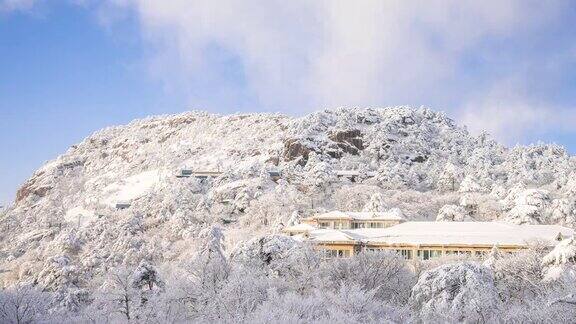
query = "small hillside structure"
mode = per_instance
[
  {"x": 298, "y": 229},
  {"x": 427, "y": 240},
  {"x": 352, "y": 175},
  {"x": 275, "y": 175},
  {"x": 123, "y": 205},
  {"x": 184, "y": 173},
  {"x": 355, "y": 220},
  {"x": 206, "y": 174},
  {"x": 187, "y": 173}
]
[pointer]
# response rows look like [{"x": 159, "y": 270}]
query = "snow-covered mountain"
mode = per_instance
[{"x": 64, "y": 227}]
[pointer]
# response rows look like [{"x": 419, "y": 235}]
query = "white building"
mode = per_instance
[
  {"x": 353, "y": 220},
  {"x": 427, "y": 240}
]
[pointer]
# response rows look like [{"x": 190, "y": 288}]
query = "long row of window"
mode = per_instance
[
  {"x": 354, "y": 225},
  {"x": 425, "y": 254},
  {"x": 428, "y": 254},
  {"x": 336, "y": 253},
  {"x": 369, "y": 225}
]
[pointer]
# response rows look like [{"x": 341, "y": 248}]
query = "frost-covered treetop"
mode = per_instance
[{"x": 564, "y": 252}]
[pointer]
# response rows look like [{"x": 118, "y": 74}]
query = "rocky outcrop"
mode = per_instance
[
  {"x": 294, "y": 149},
  {"x": 339, "y": 143},
  {"x": 30, "y": 188},
  {"x": 349, "y": 141}
]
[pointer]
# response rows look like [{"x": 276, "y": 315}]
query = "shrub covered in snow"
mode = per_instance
[
  {"x": 459, "y": 292},
  {"x": 519, "y": 276},
  {"x": 385, "y": 273},
  {"x": 269, "y": 251},
  {"x": 23, "y": 304}
]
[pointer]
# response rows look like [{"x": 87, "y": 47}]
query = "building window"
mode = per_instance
[
  {"x": 336, "y": 253},
  {"x": 324, "y": 224},
  {"x": 358, "y": 225},
  {"x": 429, "y": 254},
  {"x": 458, "y": 252},
  {"x": 407, "y": 254},
  {"x": 340, "y": 225},
  {"x": 375, "y": 225}
]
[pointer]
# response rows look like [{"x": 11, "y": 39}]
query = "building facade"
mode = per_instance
[
  {"x": 355, "y": 220},
  {"x": 428, "y": 240}
]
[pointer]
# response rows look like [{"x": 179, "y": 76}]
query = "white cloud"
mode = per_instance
[
  {"x": 509, "y": 114},
  {"x": 311, "y": 54},
  {"x": 298, "y": 56},
  {"x": 16, "y": 5},
  {"x": 506, "y": 121}
]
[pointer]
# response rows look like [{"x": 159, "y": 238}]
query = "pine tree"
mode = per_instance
[{"x": 376, "y": 204}]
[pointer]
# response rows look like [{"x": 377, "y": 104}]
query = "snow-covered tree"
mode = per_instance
[
  {"x": 398, "y": 176},
  {"x": 353, "y": 197},
  {"x": 560, "y": 263},
  {"x": 383, "y": 272},
  {"x": 449, "y": 178},
  {"x": 458, "y": 292},
  {"x": 265, "y": 251},
  {"x": 509, "y": 200},
  {"x": 321, "y": 175},
  {"x": 570, "y": 186},
  {"x": 470, "y": 203},
  {"x": 563, "y": 212},
  {"x": 24, "y": 304},
  {"x": 294, "y": 219},
  {"x": 452, "y": 213},
  {"x": 118, "y": 297},
  {"x": 518, "y": 276},
  {"x": 211, "y": 258},
  {"x": 533, "y": 197},
  {"x": 146, "y": 277},
  {"x": 242, "y": 200},
  {"x": 492, "y": 257},
  {"x": 523, "y": 214},
  {"x": 376, "y": 204},
  {"x": 469, "y": 184},
  {"x": 498, "y": 192},
  {"x": 349, "y": 304}
]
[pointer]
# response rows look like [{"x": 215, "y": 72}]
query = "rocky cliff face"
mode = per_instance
[{"x": 65, "y": 228}]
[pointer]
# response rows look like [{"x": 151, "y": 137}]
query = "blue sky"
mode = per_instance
[{"x": 69, "y": 68}]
